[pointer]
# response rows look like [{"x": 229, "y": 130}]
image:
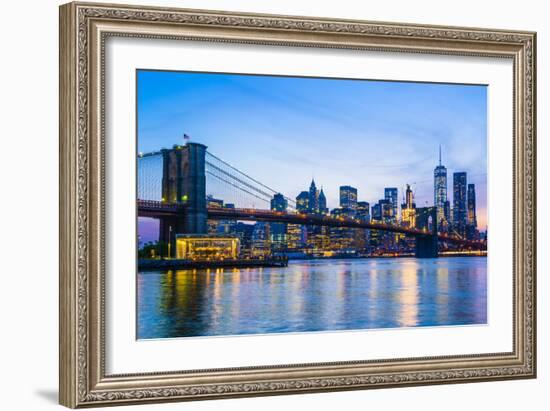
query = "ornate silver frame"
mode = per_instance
[{"x": 83, "y": 30}]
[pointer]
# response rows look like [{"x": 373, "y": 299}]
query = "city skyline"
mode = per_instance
[{"x": 332, "y": 162}]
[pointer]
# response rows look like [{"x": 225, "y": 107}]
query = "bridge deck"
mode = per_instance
[{"x": 157, "y": 209}]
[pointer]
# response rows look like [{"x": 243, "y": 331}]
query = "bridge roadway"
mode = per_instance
[{"x": 157, "y": 209}]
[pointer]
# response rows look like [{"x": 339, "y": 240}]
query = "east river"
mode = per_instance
[{"x": 313, "y": 295}]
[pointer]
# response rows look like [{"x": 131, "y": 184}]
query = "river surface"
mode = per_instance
[{"x": 314, "y": 295}]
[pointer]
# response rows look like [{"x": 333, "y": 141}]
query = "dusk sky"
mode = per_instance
[{"x": 285, "y": 130}]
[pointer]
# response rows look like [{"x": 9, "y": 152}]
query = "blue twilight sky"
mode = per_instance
[{"x": 285, "y": 130}]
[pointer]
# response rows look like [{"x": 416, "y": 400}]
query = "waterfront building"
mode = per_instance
[
  {"x": 318, "y": 239},
  {"x": 440, "y": 191},
  {"x": 261, "y": 244},
  {"x": 460, "y": 217},
  {"x": 342, "y": 239},
  {"x": 390, "y": 195},
  {"x": 348, "y": 198},
  {"x": 244, "y": 232},
  {"x": 296, "y": 236},
  {"x": 206, "y": 247},
  {"x": 302, "y": 202},
  {"x": 278, "y": 230}
]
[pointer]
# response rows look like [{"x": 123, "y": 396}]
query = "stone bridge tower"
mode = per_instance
[{"x": 184, "y": 183}]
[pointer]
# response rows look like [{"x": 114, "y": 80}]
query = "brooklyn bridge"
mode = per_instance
[{"x": 172, "y": 187}]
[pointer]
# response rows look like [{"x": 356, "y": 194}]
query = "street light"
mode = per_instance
[{"x": 169, "y": 240}]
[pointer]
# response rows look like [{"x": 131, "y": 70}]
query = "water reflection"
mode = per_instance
[{"x": 313, "y": 296}]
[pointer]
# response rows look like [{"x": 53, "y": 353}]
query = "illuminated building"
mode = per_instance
[
  {"x": 363, "y": 211},
  {"x": 313, "y": 204},
  {"x": 376, "y": 216},
  {"x": 207, "y": 247},
  {"x": 408, "y": 217},
  {"x": 408, "y": 209},
  {"x": 227, "y": 226},
  {"x": 296, "y": 235},
  {"x": 278, "y": 230},
  {"x": 279, "y": 202},
  {"x": 219, "y": 226},
  {"x": 244, "y": 232},
  {"x": 447, "y": 214},
  {"x": 348, "y": 197},
  {"x": 440, "y": 190},
  {"x": 460, "y": 217},
  {"x": 213, "y": 202},
  {"x": 471, "y": 231},
  {"x": 302, "y": 202},
  {"x": 213, "y": 226},
  {"x": 387, "y": 208},
  {"x": 322, "y": 200},
  {"x": 409, "y": 197},
  {"x": 390, "y": 195},
  {"x": 363, "y": 214},
  {"x": 387, "y": 211},
  {"x": 342, "y": 239},
  {"x": 376, "y": 212},
  {"x": 472, "y": 219},
  {"x": 261, "y": 244}
]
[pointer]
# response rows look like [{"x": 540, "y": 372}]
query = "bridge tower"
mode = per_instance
[
  {"x": 427, "y": 246},
  {"x": 184, "y": 182}
]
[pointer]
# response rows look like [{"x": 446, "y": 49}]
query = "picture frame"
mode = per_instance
[{"x": 84, "y": 30}]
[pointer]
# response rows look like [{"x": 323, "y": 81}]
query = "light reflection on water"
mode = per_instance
[{"x": 316, "y": 295}]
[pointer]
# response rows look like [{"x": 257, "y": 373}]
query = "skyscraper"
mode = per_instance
[
  {"x": 363, "y": 211},
  {"x": 279, "y": 203},
  {"x": 376, "y": 212},
  {"x": 460, "y": 217},
  {"x": 390, "y": 194},
  {"x": 408, "y": 209},
  {"x": 302, "y": 202},
  {"x": 278, "y": 230},
  {"x": 363, "y": 214},
  {"x": 313, "y": 205},
  {"x": 472, "y": 219},
  {"x": 409, "y": 197},
  {"x": 341, "y": 239},
  {"x": 386, "y": 210},
  {"x": 440, "y": 189},
  {"x": 322, "y": 201},
  {"x": 348, "y": 198},
  {"x": 471, "y": 229},
  {"x": 261, "y": 245},
  {"x": 447, "y": 212}
]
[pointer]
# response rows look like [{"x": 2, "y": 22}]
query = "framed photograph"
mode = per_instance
[{"x": 259, "y": 204}]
